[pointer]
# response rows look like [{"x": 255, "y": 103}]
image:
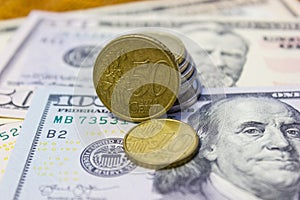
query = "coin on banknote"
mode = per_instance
[
  {"x": 186, "y": 66},
  {"x": 136, "y": 77},
  {"x": 161, "y": 143},
  {"x": 175, "y": 45},
  {"x": 188, "y": 98}
]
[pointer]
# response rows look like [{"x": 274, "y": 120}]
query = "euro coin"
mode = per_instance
[
  {"x": 175, "y": 45},
  {"x": 161, "y": 143},
  {"x": 188, "y": 82},
  {"x": 185, "y": 63},
  {"x": 136, "y": 77},
  {"x": 185, "y": 75}
]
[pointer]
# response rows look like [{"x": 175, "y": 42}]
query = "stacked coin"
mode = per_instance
[
  {"x": 136, "y": 77},
  {"x": 143, "y": 75},
  {"x": 161, "y": 143},
  {"x": 190, "y": 87}
]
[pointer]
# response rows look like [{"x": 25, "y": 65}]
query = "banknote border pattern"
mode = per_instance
[
  {"x": 52, "y": 98},
  {"x": 33, "y": 147}
]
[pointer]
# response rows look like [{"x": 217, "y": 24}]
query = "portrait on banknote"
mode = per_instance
[
  {"x": 225, "y": 53},
  {"x": 249, "y": 149}
]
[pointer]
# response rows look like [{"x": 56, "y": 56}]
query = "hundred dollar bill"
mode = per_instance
[
  {"x": 253, "y": 8},
  {"x": 71, "y": 147},
  {"x": 8, "y": 27},
  {"x": 61, "y": 49}
]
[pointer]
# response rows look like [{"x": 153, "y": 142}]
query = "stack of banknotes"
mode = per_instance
[{"x": 58, "y": 141}]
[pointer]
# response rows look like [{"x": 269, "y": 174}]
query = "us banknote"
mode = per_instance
[
  {"x": 15, "y": 101},
  {"x": 61, "y": 49},
  {"x": 255, "y": 8},
  {"x": 9, "y": 132},
  {"x": 7, "y": 29},
  {"x": 252, "y": 8},
  {"x": 71, "y": 147}
]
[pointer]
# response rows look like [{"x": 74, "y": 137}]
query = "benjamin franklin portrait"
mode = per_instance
[
  {"x": 220, "y": 55},
  {"x": 249, "y": 149}
]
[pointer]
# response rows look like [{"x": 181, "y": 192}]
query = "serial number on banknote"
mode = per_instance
[{"x": 101, "y": 120}]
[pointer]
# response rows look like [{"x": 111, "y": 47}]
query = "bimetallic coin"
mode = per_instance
[
  {"x": 175, "y": 45},
  {"x": 136, "y": 77},
  {"x": 161, "y": 143}
]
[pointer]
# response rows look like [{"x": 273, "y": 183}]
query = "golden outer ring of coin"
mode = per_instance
[
  {"x": 152, "y": 144},
  {"x": 175, "y": 45},
  {"x": 126, "y": 54}
]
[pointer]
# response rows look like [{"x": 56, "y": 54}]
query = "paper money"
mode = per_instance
[
  {"x": 263, "y": 50},
  {"x": 253, "y": 8},
  {"x": 7, "y": 29},
  {"x": 70, "y": 146},
  {"x": 9, "y": 132},
  {"x": 15, "y": 101},
  {"x": 293, "y": 6}
]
